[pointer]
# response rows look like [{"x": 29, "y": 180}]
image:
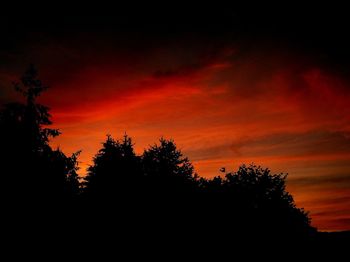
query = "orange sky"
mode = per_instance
[{"x": 223, "y": 106}]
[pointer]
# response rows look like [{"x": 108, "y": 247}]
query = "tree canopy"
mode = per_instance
[
  {"x": 116, "y": 170},
  {"x": 161, "y": 180},
  {"x": 31, "y": 167}
]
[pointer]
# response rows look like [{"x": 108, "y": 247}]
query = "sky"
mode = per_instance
[{"x": 240, "y": 87}]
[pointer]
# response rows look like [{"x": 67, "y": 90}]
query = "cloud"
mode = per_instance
[
  {"x": 325, "y": 181},
  {"x": 224, "y": 104}
]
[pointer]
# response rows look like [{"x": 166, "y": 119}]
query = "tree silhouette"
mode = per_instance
[
  {"x": 254, "y": 201},
  {"x": 166, "y": 169},
  {"x": 257, "y": 203},
  {"x": 32, "y": 170},
  {"x": 156, "y": 190},
  {"x": 116, "y": 172}
]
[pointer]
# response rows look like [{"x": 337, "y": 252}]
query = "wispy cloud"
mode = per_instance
[{"x": 223, "y": 105}]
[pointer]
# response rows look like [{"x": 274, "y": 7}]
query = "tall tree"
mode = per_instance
[
  {"x": 31, "y": 168},
  {"x": 116, "y": 171},
  {"x": 167, "y": 170}
]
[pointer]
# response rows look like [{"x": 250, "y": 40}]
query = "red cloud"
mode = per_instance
[{"x": 224, "y": 109}]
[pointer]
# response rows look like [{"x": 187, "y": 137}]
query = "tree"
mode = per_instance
[
  {"x": 31, "y": 168},
  {"x": 115, "y": 173},
  {"x": 167, "y": 170},
  {"x": 257, "y": 202}
]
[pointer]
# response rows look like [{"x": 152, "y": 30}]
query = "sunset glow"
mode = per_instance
[{"x": 223, "y": 104}]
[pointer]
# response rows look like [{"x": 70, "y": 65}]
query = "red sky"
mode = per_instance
[{"x": 223, "y": 104}]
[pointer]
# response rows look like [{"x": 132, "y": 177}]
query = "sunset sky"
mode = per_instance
[{"x": 269, "y": 90}]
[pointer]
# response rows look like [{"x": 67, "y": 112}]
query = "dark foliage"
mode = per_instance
[
  {"x": 116, "y": 174},
  {"x": 251, "y": 203},
  {"x": 257, "y": 202},
  {"x": 154, "y": 194},
  {"x": 31, "y": 170},
  {"x": 167, "y": 171}
]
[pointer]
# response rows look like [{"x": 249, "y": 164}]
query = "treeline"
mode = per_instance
[{"x": 159, "y": 183}]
